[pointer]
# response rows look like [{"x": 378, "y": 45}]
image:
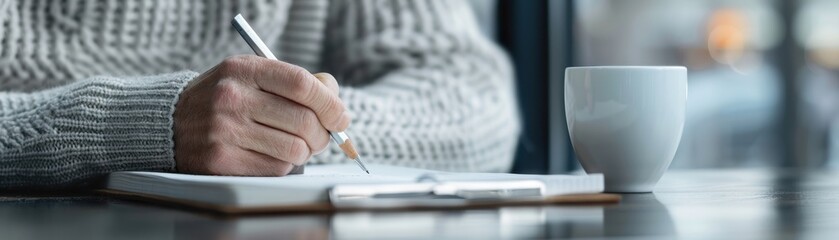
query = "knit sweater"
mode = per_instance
[{"x": 89, "y": 87}]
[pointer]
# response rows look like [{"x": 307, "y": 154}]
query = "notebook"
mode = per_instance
[{"x": 310, "y": 191}]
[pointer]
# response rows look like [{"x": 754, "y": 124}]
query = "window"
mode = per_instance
[{"x": 763, "y": 75}]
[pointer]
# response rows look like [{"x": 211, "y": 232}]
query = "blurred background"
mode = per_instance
[{"x": 763, "y": 75}]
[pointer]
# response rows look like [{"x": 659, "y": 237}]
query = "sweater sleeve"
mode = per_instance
[
  {"x": 425, "y": 88},
  {"x": 67, "y": 135}
]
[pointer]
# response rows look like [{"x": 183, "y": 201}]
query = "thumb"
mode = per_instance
[{"x": 328, "y": 80}]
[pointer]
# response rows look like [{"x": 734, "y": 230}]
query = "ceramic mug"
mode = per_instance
[{"x": 626, "y": 121}]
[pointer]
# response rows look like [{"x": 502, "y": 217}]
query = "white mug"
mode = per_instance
[{"x": 626, "y": 121}]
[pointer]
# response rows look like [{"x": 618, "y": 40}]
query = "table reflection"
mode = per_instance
[{"x": 637, "y": 215}]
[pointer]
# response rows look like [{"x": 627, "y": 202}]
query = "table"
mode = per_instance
[{"x": 703, "y": 204}]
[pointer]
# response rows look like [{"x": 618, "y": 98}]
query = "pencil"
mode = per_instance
[{"x": 262, "y": 50}]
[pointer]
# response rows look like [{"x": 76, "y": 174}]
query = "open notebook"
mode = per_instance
[{"x": 311, "y": 190}]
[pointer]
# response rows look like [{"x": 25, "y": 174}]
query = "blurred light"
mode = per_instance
[{"x": 727, "y": 36}]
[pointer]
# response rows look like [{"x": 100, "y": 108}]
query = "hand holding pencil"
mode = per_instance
[
  {"x": 262, "y": 50},
  {"x": 255, "y": 116}
]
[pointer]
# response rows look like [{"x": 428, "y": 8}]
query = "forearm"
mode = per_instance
[{"x": 67, "y": 135}]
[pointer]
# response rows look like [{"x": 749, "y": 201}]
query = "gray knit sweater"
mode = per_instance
[{"x": 89, "y": 87}]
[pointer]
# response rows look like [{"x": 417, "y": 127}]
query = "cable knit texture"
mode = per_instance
[{"x": 89, "y": 87}]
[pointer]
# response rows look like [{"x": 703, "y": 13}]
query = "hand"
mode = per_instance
[{"x": 253, "y": 116}]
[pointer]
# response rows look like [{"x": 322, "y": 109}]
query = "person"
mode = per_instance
[{"x": 93, "y": 87}]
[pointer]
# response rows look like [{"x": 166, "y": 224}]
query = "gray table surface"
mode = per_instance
[{"x": 703, "y": 204}]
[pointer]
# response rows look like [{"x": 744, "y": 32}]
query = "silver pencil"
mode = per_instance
[{"x": 262, "y": 50}]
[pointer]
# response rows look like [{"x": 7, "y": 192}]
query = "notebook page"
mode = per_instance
[{"x": 312, "y": 186}]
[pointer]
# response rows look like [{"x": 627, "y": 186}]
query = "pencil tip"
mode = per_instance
[{"x": 361, "y": 164}]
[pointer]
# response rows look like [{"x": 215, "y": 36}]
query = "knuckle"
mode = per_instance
[
  {"x": 307, "y": 121},
  {"x": 300, "y": 84},
  {"x": 298, "y": 150},
  {"x": 238, "y": 66},
  {"x": 227, "y": 95}
]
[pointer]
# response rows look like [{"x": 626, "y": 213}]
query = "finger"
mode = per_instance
[
  {"x": 292, "y": 82},
  {"x": 280, "y": 145},
  {"x": 252, "y": 163},
  {"x": 328, "y": 80},
  {"x": 283, "y": 114}
]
